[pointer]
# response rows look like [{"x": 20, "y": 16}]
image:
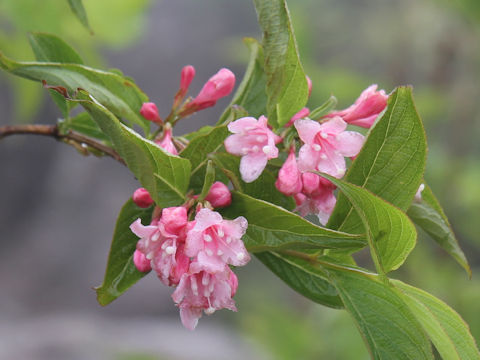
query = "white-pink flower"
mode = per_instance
[
  {"x": 326, "y": 145},
  {"x": 201, "y": 291},
  {"x": 254, "y": 142},
  {"x": 366, "y": 108},
  {"x": 216, "y": 242}
]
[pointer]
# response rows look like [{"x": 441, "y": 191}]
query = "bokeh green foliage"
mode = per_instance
[{"x": 115, "y": 24}]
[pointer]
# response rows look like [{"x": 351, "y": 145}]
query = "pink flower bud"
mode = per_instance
[
  {"x": 166, "y": 143},
  {"x": 150, "y": 112},
  {"x": 289, "y": 178},
  {"x": 219, "y": 85},
  {"x": 302, "y": 114},
  {"x": 141, "y": 262},
  {"x": 219, "y": 195},
  {"x": 142, "y": 198},
  {"x": 311, "y": 183},
  {"x": 174, "y": 218},
  {"x": 187, "y": 75},
  {"x": 309, "y": 82}
]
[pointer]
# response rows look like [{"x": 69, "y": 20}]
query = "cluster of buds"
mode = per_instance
[
  {"x": 193, "y": 256},
  {"x": 326, "y": 144}
]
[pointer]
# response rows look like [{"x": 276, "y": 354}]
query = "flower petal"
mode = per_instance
[
  {"x": 307, "y": 129},
  {"x": 252, "y": 166},
  {"x": 349, "y": 143},
  {"x": 238, "y": 126}
]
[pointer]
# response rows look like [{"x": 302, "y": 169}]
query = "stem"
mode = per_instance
[{"x": 53, "y": 131}]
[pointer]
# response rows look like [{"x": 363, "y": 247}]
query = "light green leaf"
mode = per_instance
[
  {"x": 386, "y": 323},
  {"x": 50, "y": 48},
  {"x": 287, "y": 88},
  {"x": 208, "y": 180},
  {"x": 447, "y": 330},
  {"x": 84, "y": 124},
  {"x": 304, "y": 278},
  {"x": 80, "y": 13},
  {"x": 250, "y": 94},
  {"x": 271, "y": 227},
  {"x": 164, "y": 175},
  {"x": 391, "y": 162},
  {"x": 428, "y": 214},
  {"x": 117, "y": 94},
  {"x": 390, "y": 233},
  {"x": 121, "y": 272},
  {"x": 323, "y": 109}
]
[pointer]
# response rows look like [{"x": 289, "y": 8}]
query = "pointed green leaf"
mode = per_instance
[
  {"x": 84, "y": 124},
  {"x": 390, "y": 233},
  {"x": 50, "y": 48},
  {"x": 119, "y": 95},
  {"x": 271, "y": 227},
  {"x": 386, "y": 323},
  {"x": 428, "y": 214},
  {"x": 80, "y": 13},
  {"x": 287, "y": 88},
  {"x": 391, "y": 162},
  {"x": 164, "y": 175},
  {"x": 121, "y": 272},
  {"x": 303, "y": 278},
  {"x": 447, "y": 330}
]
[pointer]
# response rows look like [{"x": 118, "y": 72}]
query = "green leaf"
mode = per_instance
[
  {"x": 323, "y": 109},
  {"x": 164, "y": 175},
  {"x": 386, "y": 323},
  {"x": 50, "y": 48},
  {"x": 447, "y": 330},
  {"x": 390, "y": 233},
  {"x": 428, "y": 214},
  {"x": 80, "y": 13},
  {"x": 303, "y": 278},
  {"x": 287, "y": 88},
  {"x": 250, "y": 94},
  {"x": 121, "y": 272},
  {"x": 263, "y": 188},
  {"x": 84, "y": 124},
  {"x": 271, "y": 227},
  {"x": 208, "y": 181},
  {"x": 391, "y": 162},
  {"x": 117, "y": 94}
]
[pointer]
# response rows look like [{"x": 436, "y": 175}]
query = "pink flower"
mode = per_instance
[
  {"x": 200, "y": 290},
  {"x": 326, "y": 145},
  {"x": 142, "y": 198},
  {"x": 299, "y": 115},
  {"x": 216, "y": 242},
  {"x": 141, "y": 262},
  {"x": 219, "y": 85},
  {"x": 366, "y": 108},
  {"x": 317, "y": 197},
  {"x": 289, "y": 180},
  {"x": 219, "y": 195},
  {"x": 254, "y": 142},
  {"x": 166, "y": 142},
  {"x": 150, "y": 112}
]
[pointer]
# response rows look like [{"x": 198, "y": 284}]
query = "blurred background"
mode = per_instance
[{"x": 58, "y": 210}]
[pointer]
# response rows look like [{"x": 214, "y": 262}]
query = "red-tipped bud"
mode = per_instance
[
  {"x": 219, "y": 85},
  {"x": 219, "y": 195},
  {"x": 142, "y": 198},
  {"x": 150, "y": 112},
  {"x": 187, "y": 75},
  {"x": 289, "y": 180},
  {"x": 141, "y": 262},
  {"x": 309, "y": 82}
]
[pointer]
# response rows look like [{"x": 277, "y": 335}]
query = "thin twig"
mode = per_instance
[{"x": 52, "y": 131}]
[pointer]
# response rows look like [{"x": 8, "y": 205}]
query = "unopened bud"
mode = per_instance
[
  {"x": 311, "y": 183},
  {"x": 219, "y": 85},
  {"x": 289, "y": 181},
  {"x": 187, "y": 75},
  {"x": 150, "y": 112},
  {"x": 166, "y": 143},
  {"x": 142, "y": 198},
  {"x": 174, "y": 218},
  {"x": 309, "y": 82},
  {"x": 141, "y": 262},
  {"x": 302, "y": 114},
  {"x": 219, "y": 195}
]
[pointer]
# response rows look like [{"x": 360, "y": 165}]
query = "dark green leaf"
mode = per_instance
[
  {"x": 391, "y": 162},
  {"x": 303, "y": 278},
  {"x": 447, "y": 330},
  {"x": 386, "y": 323},
  {"x": 84, "y": 124},
  {"x": 428, "y": 214},
  {"x": 121, "y": 272},
  {"x": 164, "y": 175},
  {"x": 50, "y": 48},
  {"x": 271, "y": 227},
  {"x": 208, "y": 181},
  {"x": 80, "y": 13},
  {"x": 287, "y": 88},
  {"x": 390, "y": 233},
  {"x": 120, "y": 96}
]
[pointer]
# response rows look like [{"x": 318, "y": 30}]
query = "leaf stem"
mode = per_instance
[{"x": 70, "y": 137}]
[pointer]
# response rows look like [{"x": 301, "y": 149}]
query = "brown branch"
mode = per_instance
[{"x": 52, "y": 131}]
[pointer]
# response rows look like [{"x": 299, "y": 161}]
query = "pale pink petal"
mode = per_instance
[
  {"x": 194, "y": 243},
  {"x": 334, "y": 126},
  {"x": 333, "y": 163},
  {"x": 349, "y": 143},
  {"x": 308, "y": 158},
  {"x": 206, "y": 218},
  {"x": 325, "y": 205},
  {"x": 210, "y": 263},
  {"x": 142, "y": 231},
  {"x": 307, "y": 129},
  {"x": 189, "y": 316},
  {"x": 252, "y": 166},
  {"x": 235, "y": 144},
  {"x": 141, "y": 262},
  {"x": 240, "y": 125}
]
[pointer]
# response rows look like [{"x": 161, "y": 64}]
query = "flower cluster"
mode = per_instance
[
  {"x": 194, "y": 256},
  {"x": 326, "y": 144}
]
